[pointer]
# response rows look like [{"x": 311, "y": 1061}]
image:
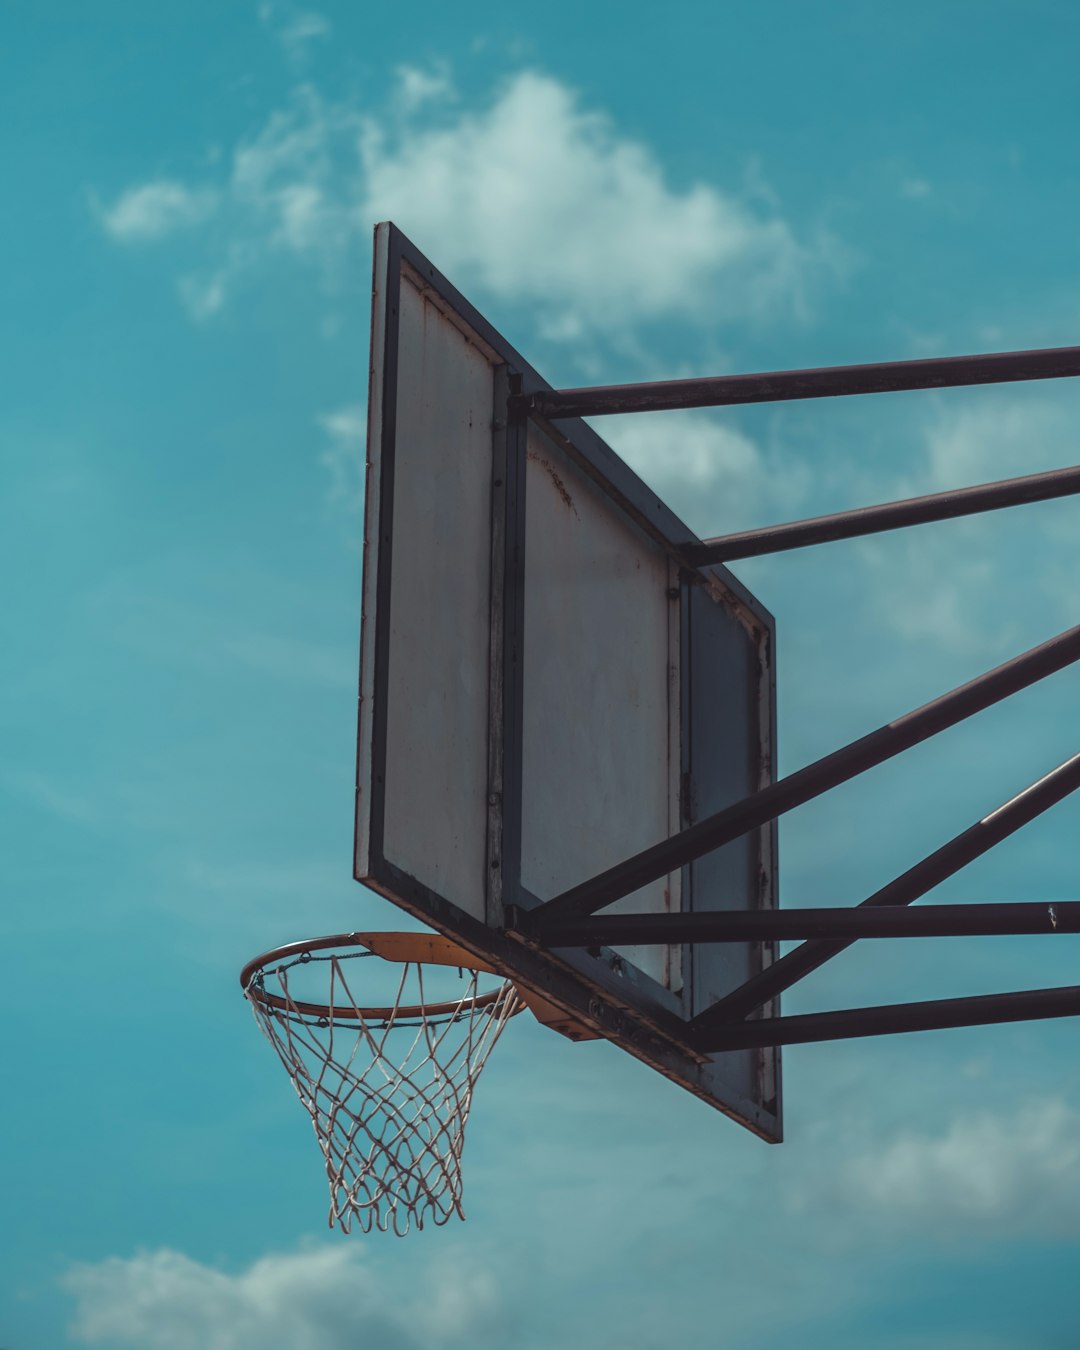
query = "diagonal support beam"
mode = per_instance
[
  {"x": 779, "y": 386},
  {"x": 933, "y": 1015},
  {"x": 787, "y": 793},
  {"x": 903, "y": 890},
  {"x": 1035, "y": 487}
]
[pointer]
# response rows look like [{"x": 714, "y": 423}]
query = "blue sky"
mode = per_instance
[{"x": 628, "y": 193}]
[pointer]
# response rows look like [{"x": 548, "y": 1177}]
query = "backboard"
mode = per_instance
[{"x": 548, "y": 686}]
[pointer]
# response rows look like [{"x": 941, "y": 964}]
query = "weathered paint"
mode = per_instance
[{"x": 600, "y": 710}]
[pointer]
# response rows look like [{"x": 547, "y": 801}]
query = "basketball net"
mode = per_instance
[{"x": 388, "y": 1089}]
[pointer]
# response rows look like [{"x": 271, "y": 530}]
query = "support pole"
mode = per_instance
[
  {"x": 909, "y": 886},
  {"x": 788, "y": 925},
  {"x": 786, "y": 793},
  {"x": 1035, "y": 487},
  {"x": 933, "y": 1015},
  {"x": 778, "y": 386}
]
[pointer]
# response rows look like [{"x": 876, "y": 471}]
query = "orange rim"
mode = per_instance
[{"x": 417, "y": 948}]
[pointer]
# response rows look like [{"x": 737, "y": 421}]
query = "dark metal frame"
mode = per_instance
[
  {"x": 570, "y": 919},
  {"x": 817, "y": 924},
  {"x": 1034, "y": 487},
  {"x": 888, "y": 377},
  {"x": 813, "y": 780}
]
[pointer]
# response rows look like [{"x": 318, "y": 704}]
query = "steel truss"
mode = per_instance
[{"x": 571, "y": 919}]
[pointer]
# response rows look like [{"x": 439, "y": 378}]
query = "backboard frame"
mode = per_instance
[{"x": 599, "y": 989}]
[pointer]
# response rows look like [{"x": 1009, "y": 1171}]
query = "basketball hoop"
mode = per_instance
[{"x": 388, "y": 1088}]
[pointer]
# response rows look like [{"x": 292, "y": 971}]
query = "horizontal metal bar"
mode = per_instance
[
  {"x": 896, "y": 1018},
  {"x": 903, "y": 890},
  {"x": 1035, "y": 487},
  {"x": 777, "y": 386},
  {"x": 809, "y": 782},
  {"x": 787, "y": 925}
]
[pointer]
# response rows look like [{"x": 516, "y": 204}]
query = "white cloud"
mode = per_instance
[
  {"x": 537, "y": 199},
  {"x": 999, "y": 439},
  {"x": 303, "y": 27},
  {"x": 955, "y": 584},
  {"x": 325, "y": 1297},
  {"x": 843, "y": 1255},
  {"x": 156, "y": 209},
  {"x": 532, "y": 198},
  {"x": 295, "y": 28},
  {"x": 417, "y": 87},
  {"x": 1000, "y": 1175},
  {"x": 203, "y": 296},
  {"x": 937, "y": 592},
  {"x": 288, "y": 190},
  {"x": 716, "y": 477}
]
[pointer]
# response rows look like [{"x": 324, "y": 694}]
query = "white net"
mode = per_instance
[{"x": 388, "y": 1089}]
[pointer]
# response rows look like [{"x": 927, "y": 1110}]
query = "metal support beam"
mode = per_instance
[
  {"x": 778, "y": 386},
  {"x": 933, "y": 1015},
  {"x": 787, "y": 925},
  {"x": 1035, "y": 487},
  {"x": 909, "y": 886},
  {"x": 809, "y": 782}
]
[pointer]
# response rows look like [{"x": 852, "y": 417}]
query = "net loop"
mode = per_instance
[{"x": 388, "y": 1089}]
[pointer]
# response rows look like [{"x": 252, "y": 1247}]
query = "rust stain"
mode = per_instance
[{"x": 560, "y": 486}]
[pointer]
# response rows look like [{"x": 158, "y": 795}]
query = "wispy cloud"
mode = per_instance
[
  {"x": 287, "y": 184},
  {"x": 156, "y": 209},
  {"x": 324, "y": 1296},
  {"x": 714, "y": 475},
  {"x": 343, "y": 458},
  {"x": 955, "y": 585},
  {"x": 304, "y": 26},
  {"x": 528, "y": 195},
  {"x": 417, "y": 86},
  {"x": 294, "y": 28},
  {"x": 999, "y": 439},
  {"x": 203, "y": 296},
  {"x": 998, "y": 1174}
]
